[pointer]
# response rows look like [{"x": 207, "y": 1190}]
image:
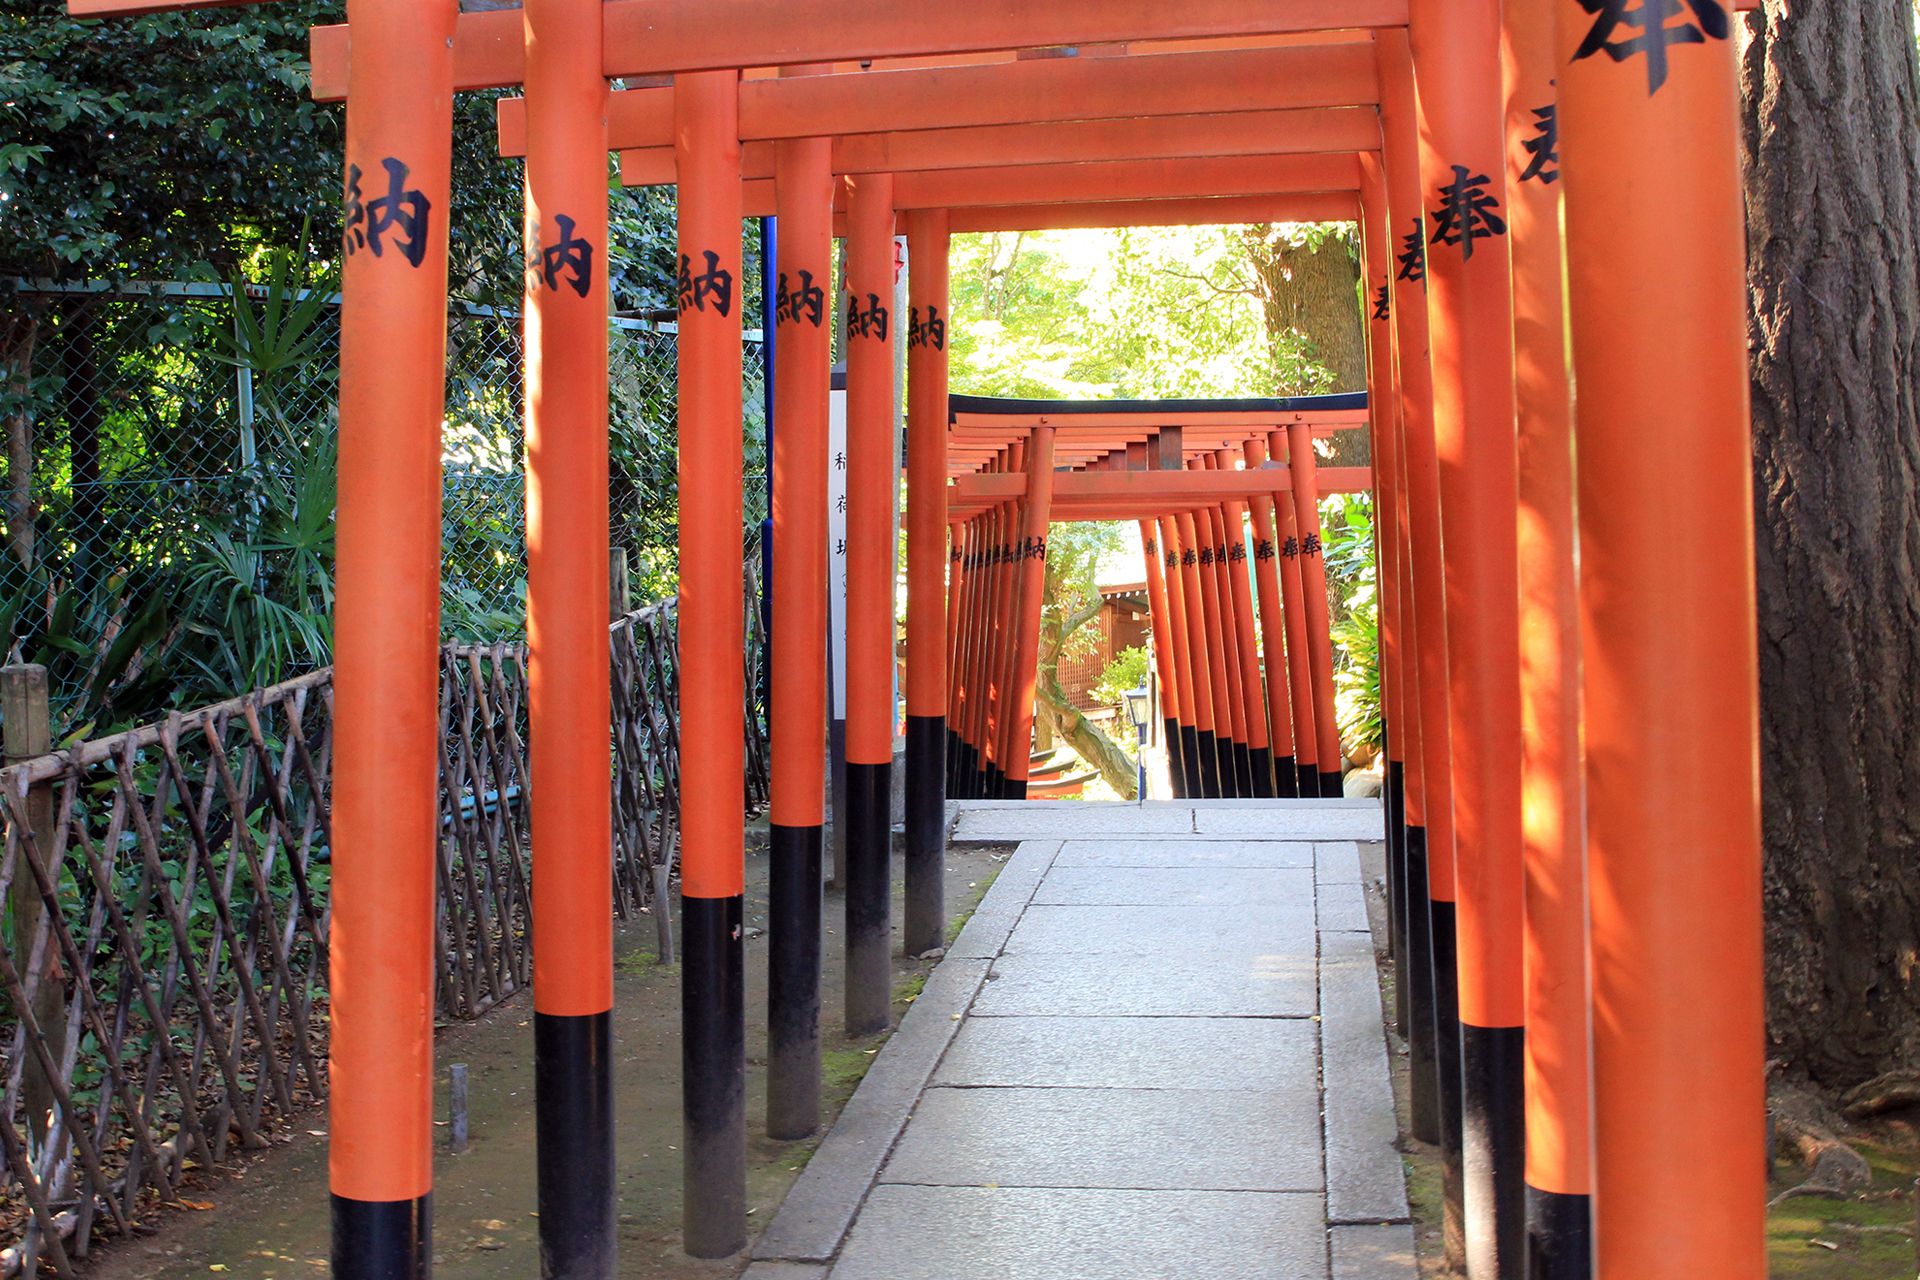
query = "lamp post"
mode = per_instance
[{"x": 1139, "y": 711}]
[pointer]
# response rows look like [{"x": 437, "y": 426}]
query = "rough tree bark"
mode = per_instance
[
  {"x": 16, "y": 372},
  {"x": 1832, "y": 163},
  {"x": 1312, "y": 289}
]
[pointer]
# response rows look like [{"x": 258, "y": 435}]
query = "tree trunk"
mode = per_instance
[
  {"x": 1085, "y": 737},
  {"x": 1313, "y": 290},
  {"x": 1052, "y": 706},
  {"x": 16, "y": 377},
  {"x": 1832, "y": 172}
]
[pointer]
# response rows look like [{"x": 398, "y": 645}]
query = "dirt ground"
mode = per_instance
[{"x": 268, "y": 1219}]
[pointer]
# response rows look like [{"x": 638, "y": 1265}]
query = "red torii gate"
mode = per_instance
[
  {"x": 1152, "y": 462},
  {"x": 1654, "y": 276}
]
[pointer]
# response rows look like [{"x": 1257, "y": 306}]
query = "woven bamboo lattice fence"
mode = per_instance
[{"x": 163, "y": 966}]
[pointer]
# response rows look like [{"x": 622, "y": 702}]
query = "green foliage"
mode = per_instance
[
  {"x": 1346, "y": 523},
  {"x": 264, "y": 606},
  {"x": 1145, "y": 312},
  {"x": 187, "y": 146},
  {"x": 1074, "y": 553},
  {"x": 110, "y": 640},
  {"x": 1128, "y": 670},
  {"x": 1357, "y": 682},
  {"x": 159, "y": 145},
  {"x": 173, "y": 146},
  {"x": 287, "y": 333}
]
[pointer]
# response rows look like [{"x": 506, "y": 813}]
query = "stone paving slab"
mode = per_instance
[
  {"x": 1311, "y": 820},
  {"x": 1245, "y": 1054},
  {"x": 1057, "y": 1233},
  {"x": 1180, "y": 1139},
  {"x": 1068, "y": 820},
  {"x": 985, "y": 933},
  {"x": 1184, "y": 853},
  {"x": 1214, "y": 887},
  {"x": 786, "y": 1271},
  {"x": 1337, "y": 862},
  {"x": 1175, "y": 932},
  {"x": 821, "y": 1205},
  {"x": 1366, "y": 1181},
  {"x": 1373, "y": 1253},
  {"x": 1342, "y": 908},
  {"x": 1114, "y": 1073},
  {"x": 1095, "y": 984}
]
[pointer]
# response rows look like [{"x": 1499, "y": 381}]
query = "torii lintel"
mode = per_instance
[
  {"x": 1004, "y": 93},
  {"x": 655, "y": 37}
]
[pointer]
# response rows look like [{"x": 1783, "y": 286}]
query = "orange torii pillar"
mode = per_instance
[
  {"x": 997, "y": 636},
  {"x": 1259, "y": 747},
  {"x": 1184, "y": 673},
  {"x": 1031, "y": 559},
  {"x": 870, "y": 570},
  {"x": 712, "y": 677},
  {"x": 1306, "y": 733},
  {"x": 1558, "y": 1112},
  {"x": 1456, "y": 54},
  {"x": 994, "y": 603},
  {"x": 1170, "y": 691},
  {"x": 988, "y": 616},
  {"x": 1165, "y": 452},
  {"x": 1006, "y": 634},
  {"x": 1240, "y": 595},
  {"x": 1209, "y": 667},
  {"x": 569, "y": 701},
  {"x": 1304, "y": 469},
  {"x": 959, "y": 617},
  {"x": 959, "y": 583},
  {"x": 979, "y": 544},
  {"x": 1273, "y": 651},
  {"x": 1229, "y": 623},
  {"x": 1413, "y": 898},
  {"x": 1229, "y": 721},
  {"x": 1433, "y": 1109},
  {"x": 924, "y": 928},
  {"x": 1229, "y": 717},
  {"x": 1210, "y": 617},
  {"x": 1656, "y": 267},
  {"x": 803, "y": 192},
  {"x": 987, "y": 628},
  {"x": 393, "y": 325},
  {"x": 1230, "y": 645},
  {"x": 1383, "y": 405}
]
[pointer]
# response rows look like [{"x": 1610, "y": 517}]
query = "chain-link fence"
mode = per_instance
[{"x": 167, "y": 499}]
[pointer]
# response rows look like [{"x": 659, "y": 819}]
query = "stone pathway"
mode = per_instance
[{"x": 1155, "y": 1051}]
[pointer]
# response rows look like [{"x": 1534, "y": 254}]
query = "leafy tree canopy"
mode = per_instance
[
  {"x": 1145, "y": 312},
  {"x": 177, "y": 146},
  {"x": 156, "y": 146}
]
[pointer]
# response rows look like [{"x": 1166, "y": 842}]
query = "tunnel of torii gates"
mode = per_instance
[{"x": 1548, "y": 199}]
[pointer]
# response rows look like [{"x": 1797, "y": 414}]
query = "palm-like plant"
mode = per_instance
[
  {"x": 286, "y": 334},
  {"x": 264, "y": 605}
]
